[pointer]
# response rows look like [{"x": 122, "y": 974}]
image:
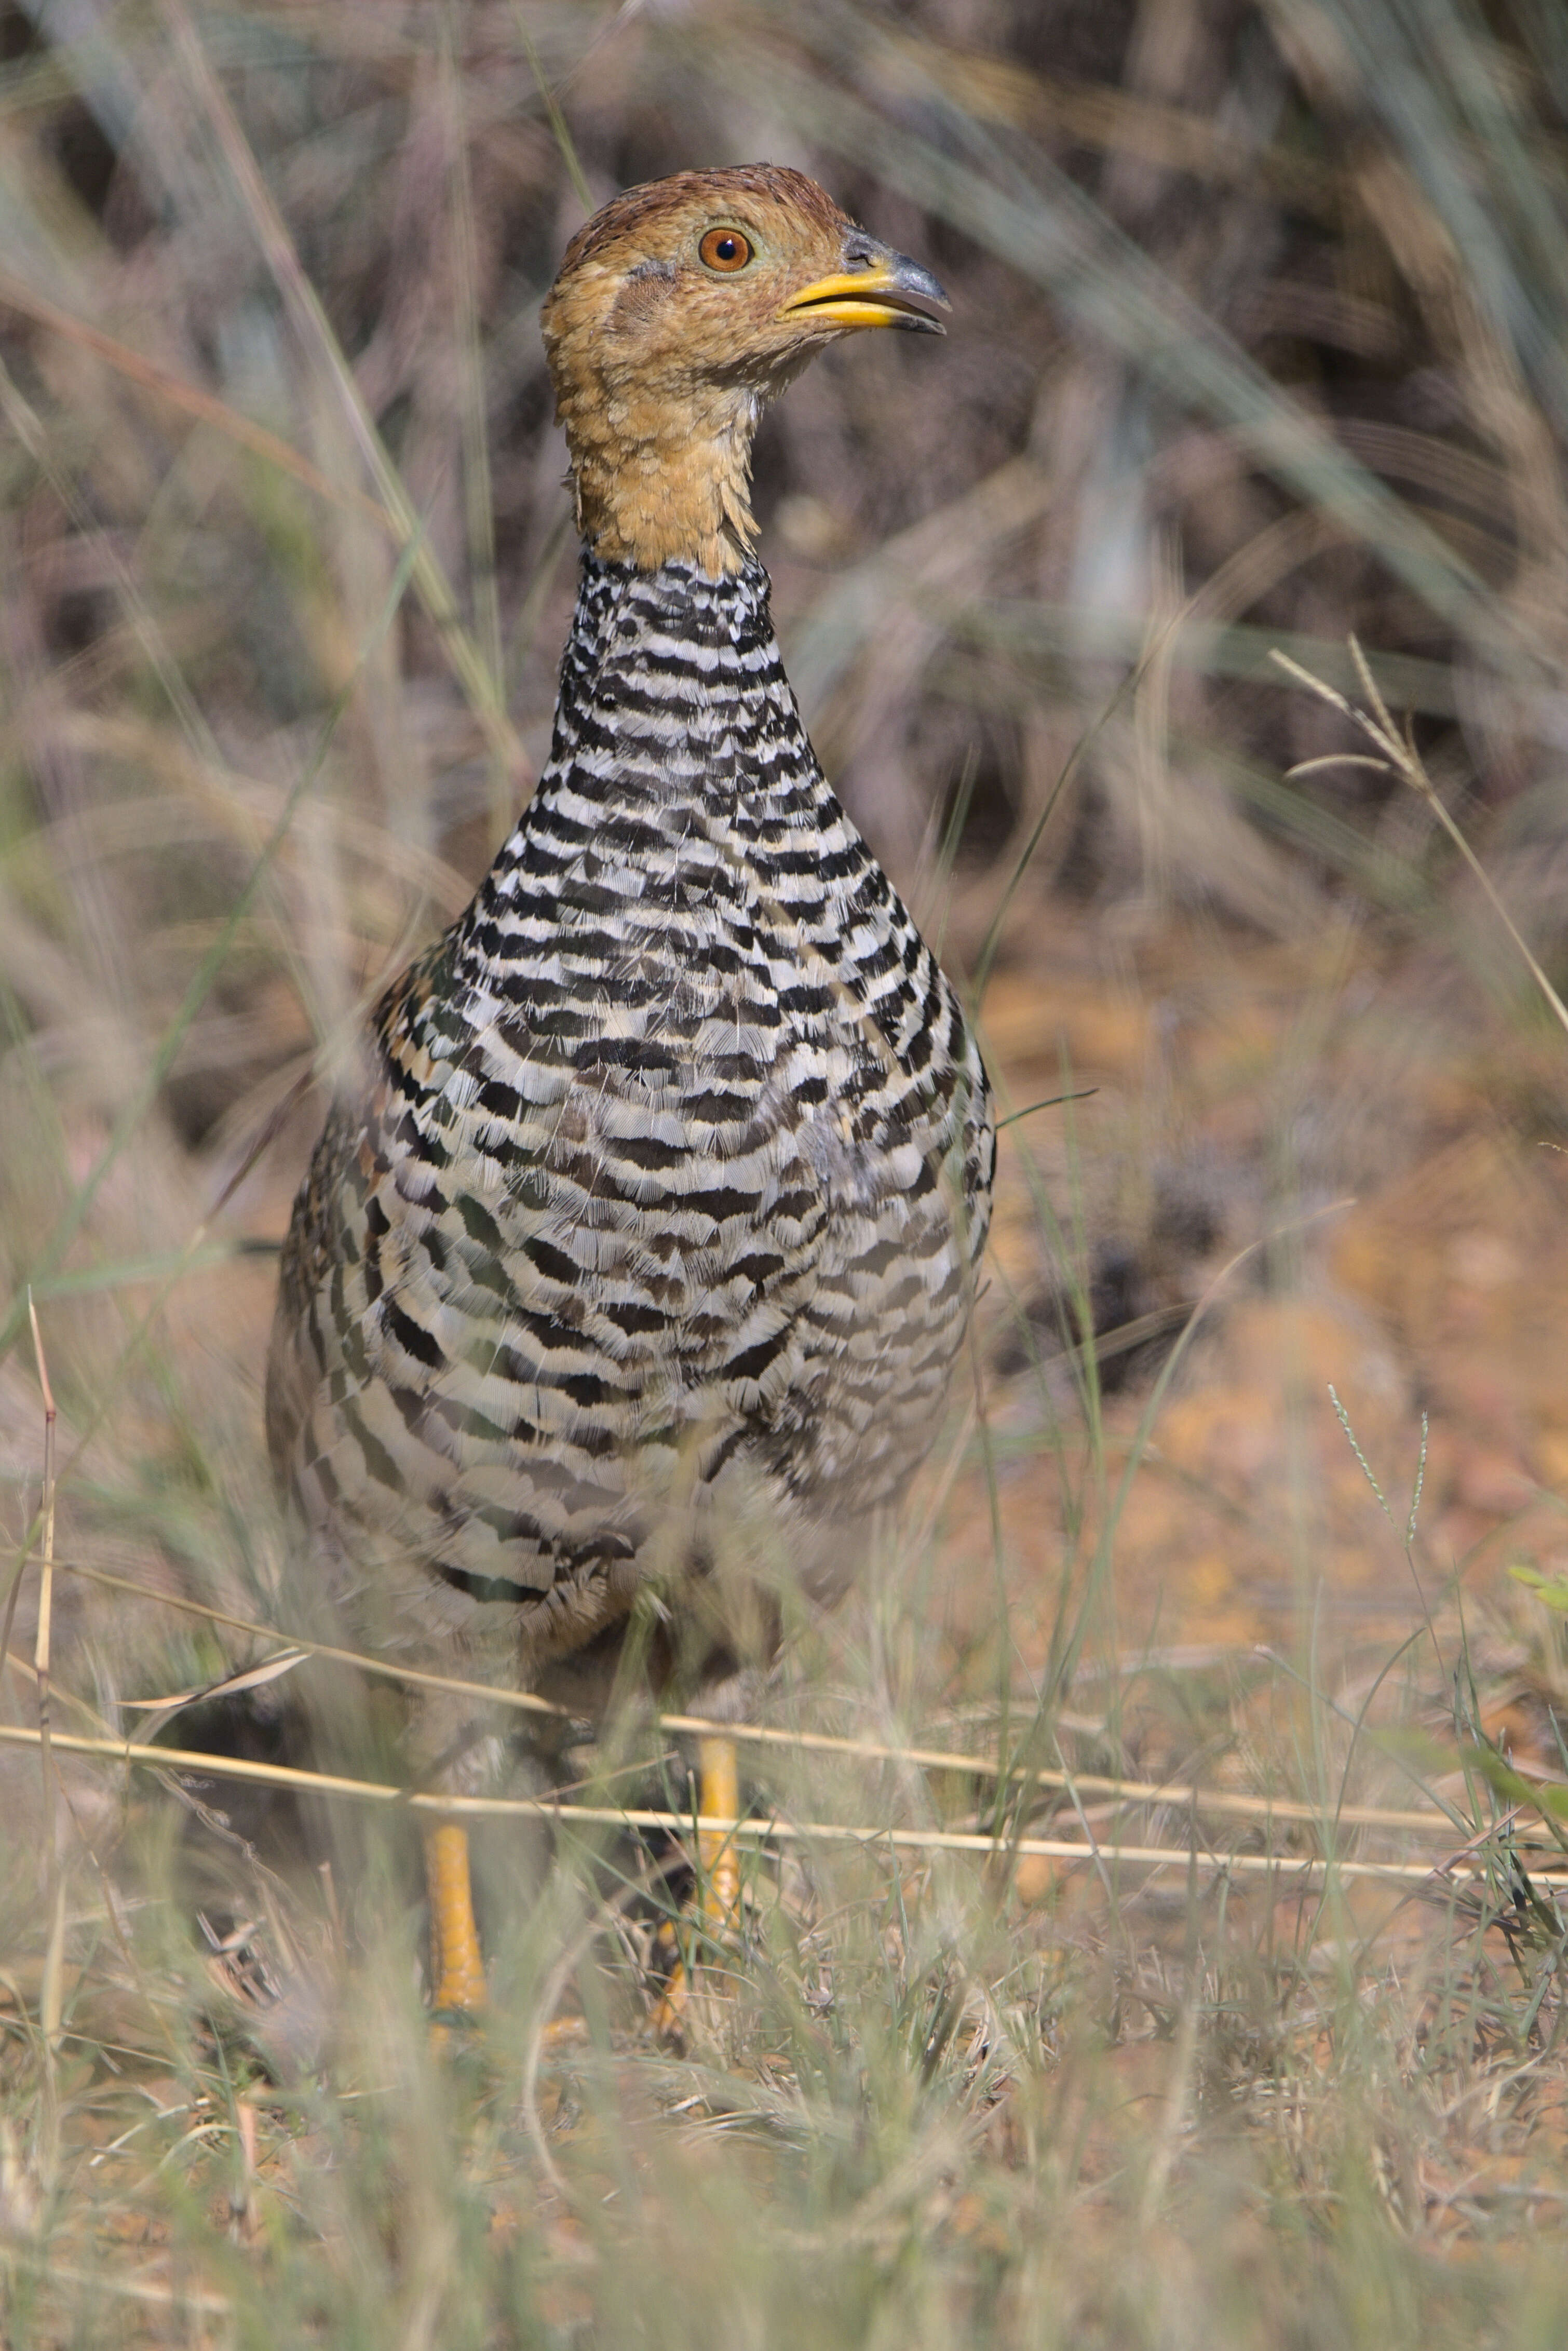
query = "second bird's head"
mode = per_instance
[{"x": 679, "y": 309}]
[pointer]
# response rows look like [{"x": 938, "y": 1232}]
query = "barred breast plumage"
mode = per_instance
[
  {"x": 672, "y": 1170},
  {"x": 644, "y": 1243}
]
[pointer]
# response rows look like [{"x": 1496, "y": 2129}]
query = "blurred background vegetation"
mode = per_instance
[{"x": 1259, "y": 341}]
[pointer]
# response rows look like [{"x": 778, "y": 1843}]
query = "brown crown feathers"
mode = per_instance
[{"x": 679, "y": 309}]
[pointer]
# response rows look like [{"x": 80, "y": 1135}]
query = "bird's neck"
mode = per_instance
[
  {"x": 664, "y": 663},
  {"x": 681, "y": 806},
  {"x": 673, "y": 710},
  {"x": 658, "y": 482}
]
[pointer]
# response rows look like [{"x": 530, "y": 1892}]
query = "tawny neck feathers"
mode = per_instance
[{"x": 678, "y": 312}]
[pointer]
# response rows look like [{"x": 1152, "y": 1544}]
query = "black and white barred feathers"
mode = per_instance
[{"x": 653, "y": 1233}]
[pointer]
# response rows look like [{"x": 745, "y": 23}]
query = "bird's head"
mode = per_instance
[{"x": 679, "y": 309}]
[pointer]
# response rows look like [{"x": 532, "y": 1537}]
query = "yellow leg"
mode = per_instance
[
  {"x": 456, "y": 1969},
  {"x": 719, "y": 1798}
]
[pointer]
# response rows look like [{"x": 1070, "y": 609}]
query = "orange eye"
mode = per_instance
[{"x": 724, "y": 249}]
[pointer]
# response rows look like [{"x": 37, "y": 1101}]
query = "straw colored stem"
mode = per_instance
[
  {"x": 1234, "y": 1803},
  {"x": 755, "y": 1828}
]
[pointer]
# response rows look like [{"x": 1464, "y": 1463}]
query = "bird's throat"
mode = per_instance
[{"x": 674, "y": 487}]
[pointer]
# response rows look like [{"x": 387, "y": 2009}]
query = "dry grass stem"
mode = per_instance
[{"x": 1153, "y": 1914}]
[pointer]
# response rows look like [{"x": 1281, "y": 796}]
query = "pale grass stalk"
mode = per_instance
[
  {"x": 51, "y": 2002},
  {"x": 1234, "y": 1803},
  {"x": 765, "y": 1829},
  {"x": 1050, "y": 232},
  {"x": 551, "y": 104},
  {"x": 203, "y": 407},
  {"x": 30, "y": 431},
  {"x": 1397, "y": 755},
  {"x": 1173, "y": 2119},
  {"x": 984, "y": 2191},
  {"x": 478, "y": 493},
  {"x": 27, "y": 1668},
  {"x": 430, "y": 581},
  {"x": 196, "y": 992},
  {"x": 189, "y": 2300}
]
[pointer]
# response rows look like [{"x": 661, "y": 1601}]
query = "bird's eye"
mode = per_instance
[{"x": 724, "y": 249}]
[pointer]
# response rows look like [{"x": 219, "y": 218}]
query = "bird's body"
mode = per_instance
[
  {"x": 645, "y": 1243},
  {"x": 663, "y": 1202}
]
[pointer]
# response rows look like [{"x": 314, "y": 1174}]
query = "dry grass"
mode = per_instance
[{"x": 1153, "y": 1874}]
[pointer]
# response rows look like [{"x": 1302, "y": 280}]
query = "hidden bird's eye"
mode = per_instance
[{"x": 724, "y": 249}]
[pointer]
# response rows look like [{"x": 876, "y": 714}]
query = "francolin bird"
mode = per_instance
[{"x": 637, "y": 1256}]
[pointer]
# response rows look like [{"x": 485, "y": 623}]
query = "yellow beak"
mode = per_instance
[{"x": 881, "y": 288}]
